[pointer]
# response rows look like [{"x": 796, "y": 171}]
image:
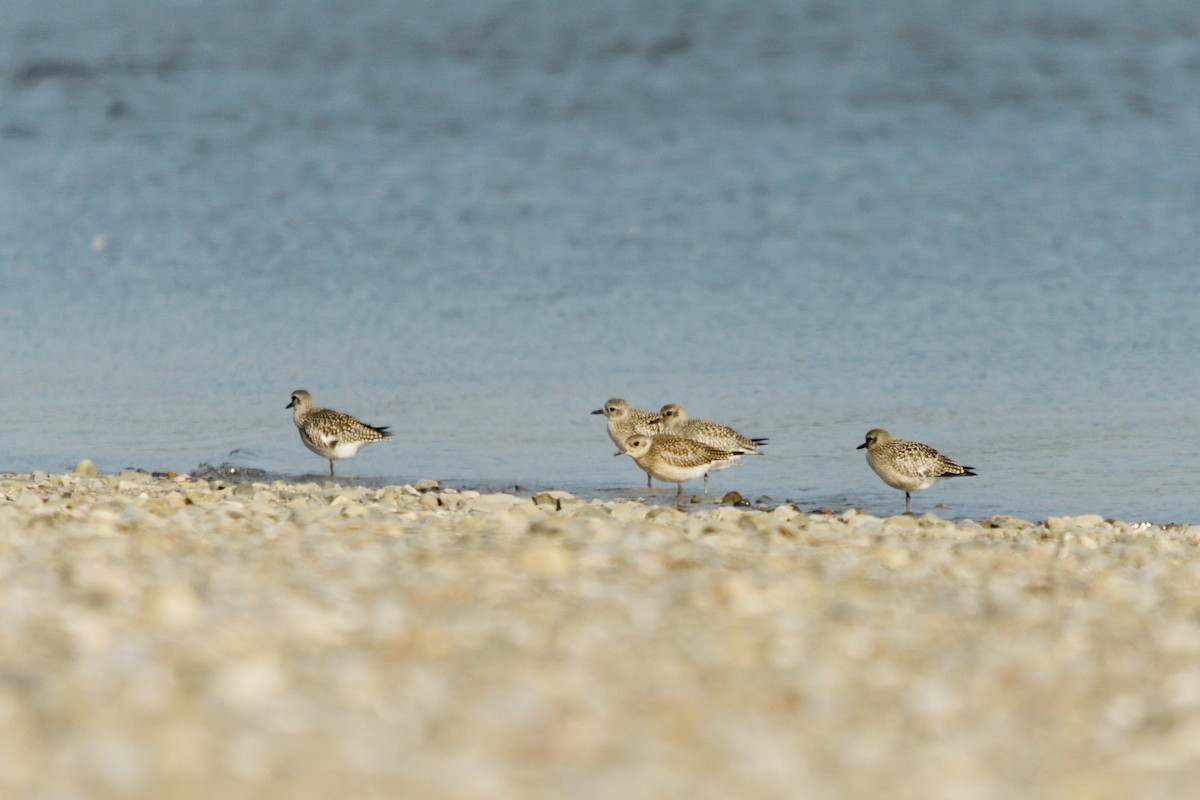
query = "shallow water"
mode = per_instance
[{"x": 475, "y": 222}]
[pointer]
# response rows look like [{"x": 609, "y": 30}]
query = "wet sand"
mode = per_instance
[{"x": 184, "y": 638}]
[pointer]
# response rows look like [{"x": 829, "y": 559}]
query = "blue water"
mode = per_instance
[{"x": 974, "y": 224}]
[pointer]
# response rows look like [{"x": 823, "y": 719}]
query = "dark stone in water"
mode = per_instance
[{"x": 734, "y": 499}]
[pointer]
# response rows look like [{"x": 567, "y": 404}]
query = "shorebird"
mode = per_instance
[
  {"x": 675, "y": 459},
  {"x": 908, "y": 466},
  {"x": 673, "y": 418},
  {"x": 624, "y": 421},
  {"x": 331, "y": 434}
]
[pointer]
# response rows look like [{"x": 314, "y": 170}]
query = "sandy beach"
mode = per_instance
[{"x": 172, "y": 637}]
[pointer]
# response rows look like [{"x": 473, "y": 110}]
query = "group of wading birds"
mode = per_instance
[{"x": 667, "y": 444}]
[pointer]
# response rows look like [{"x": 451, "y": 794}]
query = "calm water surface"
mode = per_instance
[{"x": 476, "y": 224}]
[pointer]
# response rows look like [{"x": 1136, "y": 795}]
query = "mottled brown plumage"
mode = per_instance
[
  {"x": 675, "y": 459},
  {"x": 906, "y": 465},
  {"x": 674, "y": 419},
  {"x": 331, "y": 434}
]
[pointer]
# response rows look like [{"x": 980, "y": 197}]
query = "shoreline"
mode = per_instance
[
  {"x": 180, "y": 637},
  {"x": 216, "y": 478}
]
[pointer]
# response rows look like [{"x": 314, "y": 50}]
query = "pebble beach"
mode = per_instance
[{"x": 177, "y": 637}]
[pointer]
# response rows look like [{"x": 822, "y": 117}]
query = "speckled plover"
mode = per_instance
[
  {"x": 675, "y": 459},
  {"x": 624, "y": 421},
  {"x": 908, "y": 466},
  {"x": 331, "y": 434}
]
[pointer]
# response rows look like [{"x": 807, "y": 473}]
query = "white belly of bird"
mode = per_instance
[
  {"x": 335, "y": 449},
  {"x": 904, "y": 481},
  {"x": 345, "y": 450}
]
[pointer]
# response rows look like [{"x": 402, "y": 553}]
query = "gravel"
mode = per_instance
[{"x": 171, "y": 637}]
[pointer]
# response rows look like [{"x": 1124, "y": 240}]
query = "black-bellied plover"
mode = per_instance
[
  {"x": 624, "y": 421},
  {"x": 908, "y": 466},
  {"x": 673, "y": 418},
  {"x": 331, "y": 434},
  {"x": 675, "y": 459}
]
